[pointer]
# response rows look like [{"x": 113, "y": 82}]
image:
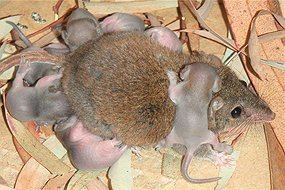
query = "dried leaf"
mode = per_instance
[
  {"x": 171, "y": 162},
  {"x": 96, "y": 184},
  {"x": 235, "y": 63},
  {"x": 82, "y": 178},
  {"x": 120, "y": 173},
  {"x": 6, "y": 28},
  {"x": 8, "y": 74},
  {"x": 276, "y": 64},
  {"x": 282, "y": 7},
  {"x": 253, "y": 51},
  {"x": 38, "y": 151},
  {"x": 58, "y": 181},
  {"x": 208, "y": 35},
  {"x": 272, "y": 89},
  {"x": 271, "y": 36},
  {"x": 4, "y": 187},
  {"x": 253, "y": 43},
  {"x": 46, "y": 39},
  {"x": 227, "y": 41},
  {"x": 227, "y": 172},
  {"x": 33, "y": 175},
  {"x": 2, "y": 48},
  {"x": 2, "y": 181},
  {"x": 22, "y": 152},
  {"x": 279, "y": 19},
  {"x": 204, "y": 9},
  {"x": 129, "y": 6}
]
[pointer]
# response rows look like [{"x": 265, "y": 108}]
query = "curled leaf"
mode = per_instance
[
  {"x": 277, "y": 64},
  {"x": 32, "y": 176},
  {"x": 209, "y": 35},
  {"x": 2, "y": 181},
  {"x": 96, "y": 184},
  {"x": 58, "y": 181},
  {"x": 171, "y": 164},
  {"x": 227, "y": 172},
  {"x": 205, "y": 8},
  {"x": 253, "y": 50},
  {"x": 6, "y": 28},
  {"x": 2, "y": 48},
  {"x": 4, "y": 187},
  {"x": 271, "y": 36},
  {"x": 82, "y": 178},
  {"x": 203, "y": 24},
  {"x": 232, "y": 60},
  {"x": 253, "y": 42},
  {"x": 8, "y": 74},
  {"x": 38, "y": 151},
  {"x": 120, "y": 173}
]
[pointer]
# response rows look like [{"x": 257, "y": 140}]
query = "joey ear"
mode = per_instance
[
  {"x": 175, "y": 89},
  {"x": 172, "y": 77},
  {"x": 217, "y": 85},
  {"x": 215, "y": 61},
  {"x": 175, "y": 93},
  {"x": 216, "y": 104},
  {"x": 185, "y": 72},
  {"x": 251, "y": 88}
]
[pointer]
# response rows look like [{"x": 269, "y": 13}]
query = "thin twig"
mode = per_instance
[
  {"x": 56, "y": 7},
  {"x": 184, "y": 38}
]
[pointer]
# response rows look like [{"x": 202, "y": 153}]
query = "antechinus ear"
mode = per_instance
[
  {"x": 214, "y": 61},
  {"x": 216, "y": 103},
  {"x": 199, "y": 56}
]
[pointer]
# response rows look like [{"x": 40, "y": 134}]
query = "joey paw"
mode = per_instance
[
  {"x": 137, "y": 151},
  {"x": 119, "y": 145},
  {"x": 221, "y": 159},
  {"x": 24, "y": 67},
  {"x": 228, "y": 148},
  {"x": 160, "y": 145},
  {"x": 224, "y": 147}
]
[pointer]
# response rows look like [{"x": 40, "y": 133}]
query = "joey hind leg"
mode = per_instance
[
  {"x": 38, "y": 70},
  {"x": 19, "y": 96},
  {"x": 185, "y": 165},
  {"x": 192, "y": 146},
  {"x": 86, "y": 150},
  {"x": 206, "y": 151}
]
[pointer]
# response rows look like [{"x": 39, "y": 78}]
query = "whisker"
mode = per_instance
[
  {"x": 242, "y": 142},
  {"x": 238, "y": 128},
  {"x": 246, "y": 127}
]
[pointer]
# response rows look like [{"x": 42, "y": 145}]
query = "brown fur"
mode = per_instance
[
  {"x": 234, "y": 94},
  {"x": 122, "y": 93},
  {"x": 118, "y": 86}
]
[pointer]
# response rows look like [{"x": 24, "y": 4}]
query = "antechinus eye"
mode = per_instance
[
  {"x": 236, "y": 112},
  {"x": 243, "y": 83}
]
